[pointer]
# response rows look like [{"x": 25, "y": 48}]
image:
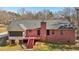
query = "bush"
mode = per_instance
[{"x": 3, "y": 41}]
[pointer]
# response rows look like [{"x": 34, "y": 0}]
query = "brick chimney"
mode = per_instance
[{"x": 43, "y": 31}]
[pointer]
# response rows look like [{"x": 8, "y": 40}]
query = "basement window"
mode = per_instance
[
  {"x": 12, "y": 41},
  {"x": 15, "y": 33},
  {"x": 38, "y": 32},
  {"x": 68, "y": 41},
  {"x": 48, "y": 32}
]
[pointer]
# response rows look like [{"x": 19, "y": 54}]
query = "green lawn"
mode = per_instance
[{"x": 39, "y": 46}]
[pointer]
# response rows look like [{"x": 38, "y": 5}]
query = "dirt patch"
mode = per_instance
[
  {"x": 3, "y": 29},
  {"x": 11, "y": 48}
]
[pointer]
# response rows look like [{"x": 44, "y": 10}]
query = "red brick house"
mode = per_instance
[{"x": 30, "y": 31}]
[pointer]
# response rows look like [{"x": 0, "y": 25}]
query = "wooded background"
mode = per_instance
[{"x": 68, "y": 13}]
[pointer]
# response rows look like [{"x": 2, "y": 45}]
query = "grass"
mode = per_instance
[
  {"x": 11, "y": 48},
  {"x": 39, "y": 46}
]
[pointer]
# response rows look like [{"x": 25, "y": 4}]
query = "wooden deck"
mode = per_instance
[
  {"x": 32, "y": 37},
  {"x": 24, "y": 38}
]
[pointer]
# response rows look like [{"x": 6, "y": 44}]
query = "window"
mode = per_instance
[
  {"x": 53, "y": 32},
  {"x": 38, "y": 32},
  {"x": 61, "y": 32},
  {"x": 30, "y": 30},
  {"x": 68, "y": 41},
  {"x": 12, "y": 41},
  {"x": 48, "y": 32},
  {"x": 15, "y": 33}
]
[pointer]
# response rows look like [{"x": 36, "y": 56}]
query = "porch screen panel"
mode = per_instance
[{"x": 15, "y": 33}]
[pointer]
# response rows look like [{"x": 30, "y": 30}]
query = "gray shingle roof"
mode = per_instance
[{"x": 31, "y": 24}]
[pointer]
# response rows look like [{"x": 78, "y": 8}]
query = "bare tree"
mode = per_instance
[
  {"x": 21, "y": 10},
  {"x": 77, "y": 15},
  {"x": 5, "y": 16},
  {"x": 68, "y": 13},
  {"x": 44, "y": 15}
]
